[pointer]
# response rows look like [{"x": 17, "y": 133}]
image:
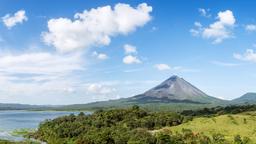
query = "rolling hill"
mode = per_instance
[
  {"x": 229, "y": 125},
  {"x": 14, "y": 106},
  {"x": 248, "y": 98}
]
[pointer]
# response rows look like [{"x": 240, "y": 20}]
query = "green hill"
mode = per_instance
[
  {"x": 227, "y": 125},
  {"x": 13, "y": 106},
  {"x": 248, "y": 98}
]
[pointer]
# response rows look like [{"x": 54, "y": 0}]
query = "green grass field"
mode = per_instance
[{"x": 229, "y": 125}]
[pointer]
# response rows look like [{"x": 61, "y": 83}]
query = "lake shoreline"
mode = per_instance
[{"x": 15, "y": 123}]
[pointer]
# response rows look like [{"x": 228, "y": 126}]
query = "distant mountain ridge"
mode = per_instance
[
  {"x": 16, "y": 106},
  {"x": 176, "y": 89},
  {"x": 248, "y": 98}
]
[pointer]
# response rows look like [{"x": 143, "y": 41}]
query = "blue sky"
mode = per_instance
[{"x": 65, "y": 52}]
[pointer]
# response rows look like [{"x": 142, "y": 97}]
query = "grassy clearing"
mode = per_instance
[
  {"x": 229, "y": 125},
  {"x": 22, "y": 132}
]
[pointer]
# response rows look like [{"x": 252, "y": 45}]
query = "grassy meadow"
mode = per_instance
[{"x": 229, "y": 125}]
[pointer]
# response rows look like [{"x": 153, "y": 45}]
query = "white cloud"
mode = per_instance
[
  {"x": 249, "y": 55},
  {"x": 95, "y": 27},
  {"x": 129, "y": 59},
  {"x": 129, "y": 49},
  {"x": 250, "y": 27},
  {"x": 38, "y": 66},
  {"x": 197, "y": 30},
  {"x": 198, "y": 24},
  {"x": 12, "y": 20},
  {"x": 100, "y": 56},
  {"x": 166, "y": 67},
  {"x": 204, "y": 12},
  {"x": 39, "y": 76},
  {"x": 162, "y": 67},
  {"x": 97, "y": 88},
  {"x": 219, "y": 30},
  {"x": 225, "y": 64}
]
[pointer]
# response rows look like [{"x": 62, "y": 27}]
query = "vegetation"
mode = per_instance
[
  {"x": 113, "y": 126},
  {"x": 219, "y": 125},
  {"x": 137, "y": 126},
  {"x": 123, "y": 103},
  {"x": 20, "y": 142},
  {"x": 229, "y": 126},
  {"x": 233, "y": 109},
  {"x": 22, "y": 132}
]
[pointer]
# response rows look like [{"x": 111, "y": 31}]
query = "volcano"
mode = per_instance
[{"x": 175, "y": 89}]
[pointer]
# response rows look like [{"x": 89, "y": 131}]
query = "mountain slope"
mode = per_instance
[
  {"x": 176, "y": 89},
  {"x": 249, "y": 98}
]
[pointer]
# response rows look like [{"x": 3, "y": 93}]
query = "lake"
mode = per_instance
[{"x": 13, "y": 120}]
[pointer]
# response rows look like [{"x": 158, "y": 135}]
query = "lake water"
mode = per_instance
[{"x": 13, "y": 120}]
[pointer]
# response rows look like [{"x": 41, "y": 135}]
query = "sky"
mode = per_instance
[{"x": 72, "y": 52}]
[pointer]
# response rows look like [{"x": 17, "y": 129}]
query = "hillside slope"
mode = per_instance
[
  {"x": 228, "y": 125},
  {"x": 248, "y": 98}
]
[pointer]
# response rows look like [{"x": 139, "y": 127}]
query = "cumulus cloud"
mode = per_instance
[
  {"x": 197, "y": 30},
  {"x": 38, "y": 66},
  {"x": 130, "y": 49},
  {"x": 219, "y": 30},
  {"x": 250, "y": 27},
  {"x": 11, "y": 20},
  {"x": 100, "y": 56},
  {"x": 204, "y": 12},
  {"x": 162, "y": 67},
  {"x": 95, "y": 27},
  {"x": 129, "y": 59},
  {"x": 249, "y": 55},
  {"x": 38, "y": 76},
  {"x": 131, "y": 55},
  {"x": 97, "y": 88}
]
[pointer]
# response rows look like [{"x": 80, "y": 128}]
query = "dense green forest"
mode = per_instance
[{"x": 112, "y": 126}]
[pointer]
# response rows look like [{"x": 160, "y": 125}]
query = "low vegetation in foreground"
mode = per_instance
[{"x": 20, "y": 142}]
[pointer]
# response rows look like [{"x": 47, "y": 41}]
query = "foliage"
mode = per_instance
[
  {"x": 229, "y": 126},
  {"x": 232, "y": 109},
  {"x": 138, "y": 126},
  {"x": 111, "y": 126},
  {"x": 20, "y": 142}
]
